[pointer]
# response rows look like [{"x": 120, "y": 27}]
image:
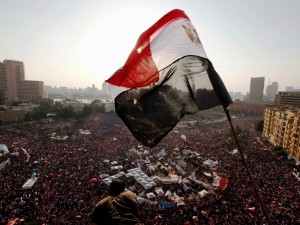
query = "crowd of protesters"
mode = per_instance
[{"x": 68, "y": 173}]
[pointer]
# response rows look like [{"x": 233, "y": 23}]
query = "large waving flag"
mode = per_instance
[{"x": 166, "y": 76}]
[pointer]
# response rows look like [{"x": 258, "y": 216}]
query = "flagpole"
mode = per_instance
[{"x": 246, "y": 166}]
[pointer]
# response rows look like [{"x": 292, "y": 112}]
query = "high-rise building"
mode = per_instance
[
  {"x": 10, "y": 73},
  {"x": 271, "y": 90},
  {"x": 282, "y": 127},
  {"x": 14, "y": 85},
  {"x": 256, "y": 89},
  {"x": 288, "y": 99}
]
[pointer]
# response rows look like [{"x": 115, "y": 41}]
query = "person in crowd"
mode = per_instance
[
  {"x": 120, "y": 207},
  {"x": 70, "y": 173}
]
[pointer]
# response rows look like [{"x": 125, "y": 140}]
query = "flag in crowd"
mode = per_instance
[
  {"x": 27, "y": 156},
  {"x": 166, "y": 76}
]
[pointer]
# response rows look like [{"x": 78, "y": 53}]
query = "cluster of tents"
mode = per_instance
[
  {"x": 155, "y": 172},
  {"x": 55, "y": 136},
  {"x": 86, "y": 132}
]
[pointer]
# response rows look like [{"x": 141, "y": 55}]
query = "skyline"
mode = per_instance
[{"x": 77, "y": 44}]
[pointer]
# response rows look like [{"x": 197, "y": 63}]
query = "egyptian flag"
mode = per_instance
[
  {"x": 252, "y": 209},
  {"x": 12, "y": 221},
  {"x": 166, "y": 76},
  {"x": 223, "y": 183}
]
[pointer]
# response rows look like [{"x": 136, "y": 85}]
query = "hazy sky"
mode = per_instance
[{"x": 77, "y": 43}]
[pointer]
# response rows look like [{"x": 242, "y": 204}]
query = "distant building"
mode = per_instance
[
  {"x": 289, "y": 88},
  {"x": 11, "y": 72},
  {"x": 282, "y": 128},
  {"x": 76, "y": 105},
  {"x": 288, "y": 99},
  {"x": 14, "y": 85},
  {"x": 29, "y": 90},
  {"x": 271, "y": 90},
  {"x": 256, "y": 89},
  {"x": 109, "y": 107},
  {"x": 92, "y": 90},
  {"x": 11, "y": 115},
  {"x": 236, "y": 95},
  {"x": 247, "y": 108}
]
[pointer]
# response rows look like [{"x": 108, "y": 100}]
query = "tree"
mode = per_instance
[
  {"x": 27, "y": 117},
  {"x": 66, "y": 112},
  {"x": 95, "y": 102},
  {"x": 41, "y": 111},
  {"x": 38, "y": 114},
  {"x": 86, "y": 111},
  {"x": 15, "y": 103},
  {"x": 223, "y": 143},
  {"x": 277, "y": 148},
  {"x": 2, "y": 97},
  {"x": 97, "y": 106},
  {"x": 281, "y": 153},
  {"x": 259, "y": 125},
  {"x": 100, "y": 108},
  {"x": 238, "y": 131}
]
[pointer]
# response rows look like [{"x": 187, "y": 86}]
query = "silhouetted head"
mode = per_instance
[{"x": 116, "y": 187}]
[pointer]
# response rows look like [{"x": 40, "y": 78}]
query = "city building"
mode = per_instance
[
  {"x": 247, "y": 108},
  {"x": 109, "y": 107},
  {"x": 10, "y": 73},
  {"x": 271, "y": 90},
  {"x": 30, "y": 90},
  {"x": 11, "y": 115},
  {"x": 236, "y": 95},
  {"x": 288, "y": 99},
  {"x": 282, "y": 128},
  {"x": 256, "y": 89},
  {"x": 76, "y": 105},
  {"x": 14, "y": 85},
  {"x": 92, "y": 90},
  {"x": 289, "y": 88},
  {"x": 63, "y": 92}
]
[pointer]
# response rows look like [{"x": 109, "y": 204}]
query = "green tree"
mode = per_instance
[
  {"x": 2, "y": 97},
  {"x": 80, "y": 122},
  {"x": 16, "y": 103},
  {"x": 98, "y": 106},
  {"x": 281, "y": 153},
  {"x": 95, "y": 102},
  {"x": 223, "y": 143},
  {"x": 41, "y": 111},
  {"x": 87, "y": 110},
  {"x": 27, "y": 117},
  {"x": 38, "y": 114},
  {"x": 277, "y": 148},
  {"x": 238, "y": 131},
  {"x": 66, "y": 112},
  {"x": 259, "y": 125}
]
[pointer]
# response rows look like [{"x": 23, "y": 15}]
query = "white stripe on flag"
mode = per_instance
[
  {"x": 173, "y": 43},
  {"x": 114, "y": 90}
]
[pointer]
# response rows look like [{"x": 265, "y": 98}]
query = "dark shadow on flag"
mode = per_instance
[{"x": 189, "y": 85}]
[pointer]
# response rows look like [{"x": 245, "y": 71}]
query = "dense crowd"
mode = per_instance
[{"x": 69, "y": 185}]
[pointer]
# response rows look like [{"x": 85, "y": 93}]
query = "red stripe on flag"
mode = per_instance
[
  {"x": 140, "y": 69},
  {"x": 223, "y": 183}
]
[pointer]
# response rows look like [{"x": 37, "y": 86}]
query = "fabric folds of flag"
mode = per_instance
[{"x": 166, "y": 76}]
